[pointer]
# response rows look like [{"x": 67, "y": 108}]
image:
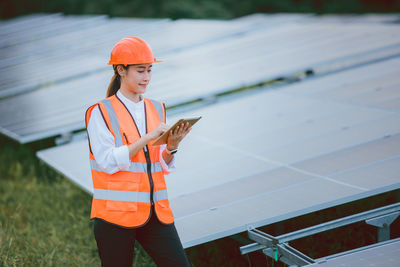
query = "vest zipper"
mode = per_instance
[
  {"x": 146, "y": 153},
  {"x": 126, "y": 139}
]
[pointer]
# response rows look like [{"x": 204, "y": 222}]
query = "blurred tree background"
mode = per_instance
[{"x": 175, "y": 9}]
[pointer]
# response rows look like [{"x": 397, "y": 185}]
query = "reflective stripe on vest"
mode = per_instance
[
  {"x": 160, "y": 195},
  {"x": 131, "y": 196},
  {"x": 113, "y": 121},
  {"x": 133, "y": 167},
  {"x": 159, "y": 108}
]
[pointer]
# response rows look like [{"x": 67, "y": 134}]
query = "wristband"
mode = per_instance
[{"x": 171, "y": 152}]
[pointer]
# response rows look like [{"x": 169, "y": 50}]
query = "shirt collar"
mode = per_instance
[{"x": 129, "y": 102}]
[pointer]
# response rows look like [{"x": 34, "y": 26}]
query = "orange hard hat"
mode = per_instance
[{"x": 131, "y": 50}]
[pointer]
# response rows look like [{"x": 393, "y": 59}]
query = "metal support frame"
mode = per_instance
[
  {"x": 271, "y": 247},
  {"x": 277, "y": 247},
  {"x": 383, "y": 223},
  {"x": 64, "y": 138}
]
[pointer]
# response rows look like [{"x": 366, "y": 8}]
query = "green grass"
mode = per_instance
[{"x": 44, "y": 218}]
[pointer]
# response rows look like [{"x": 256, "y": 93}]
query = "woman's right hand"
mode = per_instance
[
  {"x": 158, "y": 131},
  {"x": 139, "y": 144}
]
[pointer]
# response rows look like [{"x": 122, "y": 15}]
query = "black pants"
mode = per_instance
[{"x": 161, "y": 242}]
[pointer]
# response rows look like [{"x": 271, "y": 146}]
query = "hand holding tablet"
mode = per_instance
[{"x": 163, "y": 138}]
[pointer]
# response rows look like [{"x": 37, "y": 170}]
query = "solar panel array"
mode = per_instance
[
  {"x": 67, "y": 72},
  {"x": 58, "y": 48},
  {"x": 278, "y": 153},
  {"x": 57, "y": 43}
]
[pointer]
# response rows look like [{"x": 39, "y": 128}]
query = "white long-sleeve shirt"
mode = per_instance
[{"x": 110, "y": 158}]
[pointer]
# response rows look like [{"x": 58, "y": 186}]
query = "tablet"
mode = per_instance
[{"x": 163, "y": 138}]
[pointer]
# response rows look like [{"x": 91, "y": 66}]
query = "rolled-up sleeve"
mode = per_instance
[{"x": 108, "y": 157}]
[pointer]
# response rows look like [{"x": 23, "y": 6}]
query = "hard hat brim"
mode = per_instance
[{"x": 135, "y": 63}]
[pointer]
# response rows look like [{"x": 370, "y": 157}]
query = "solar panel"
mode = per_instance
[
  {"x": 198, "y": 71},
  {"x": 387, "y": 254},
  {"x": 58, "y": 57},
  {"x": 276, "y": 154}
]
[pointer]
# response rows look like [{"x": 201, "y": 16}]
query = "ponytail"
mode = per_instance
[{"x": 115, "y": 83}]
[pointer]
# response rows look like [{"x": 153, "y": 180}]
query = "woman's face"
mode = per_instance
[{"x": 137, "y": 78}]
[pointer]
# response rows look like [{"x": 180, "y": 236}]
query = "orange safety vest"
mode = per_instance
[{"x": 125, "y": 197}]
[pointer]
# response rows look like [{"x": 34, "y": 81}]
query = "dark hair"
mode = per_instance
[{"x": 115, "y": 83}]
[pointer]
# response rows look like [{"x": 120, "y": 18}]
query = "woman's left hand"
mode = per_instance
[{"x": 176, "y": 136}]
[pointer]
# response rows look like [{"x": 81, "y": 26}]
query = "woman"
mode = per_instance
[{"x": 130, "y": 199}]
